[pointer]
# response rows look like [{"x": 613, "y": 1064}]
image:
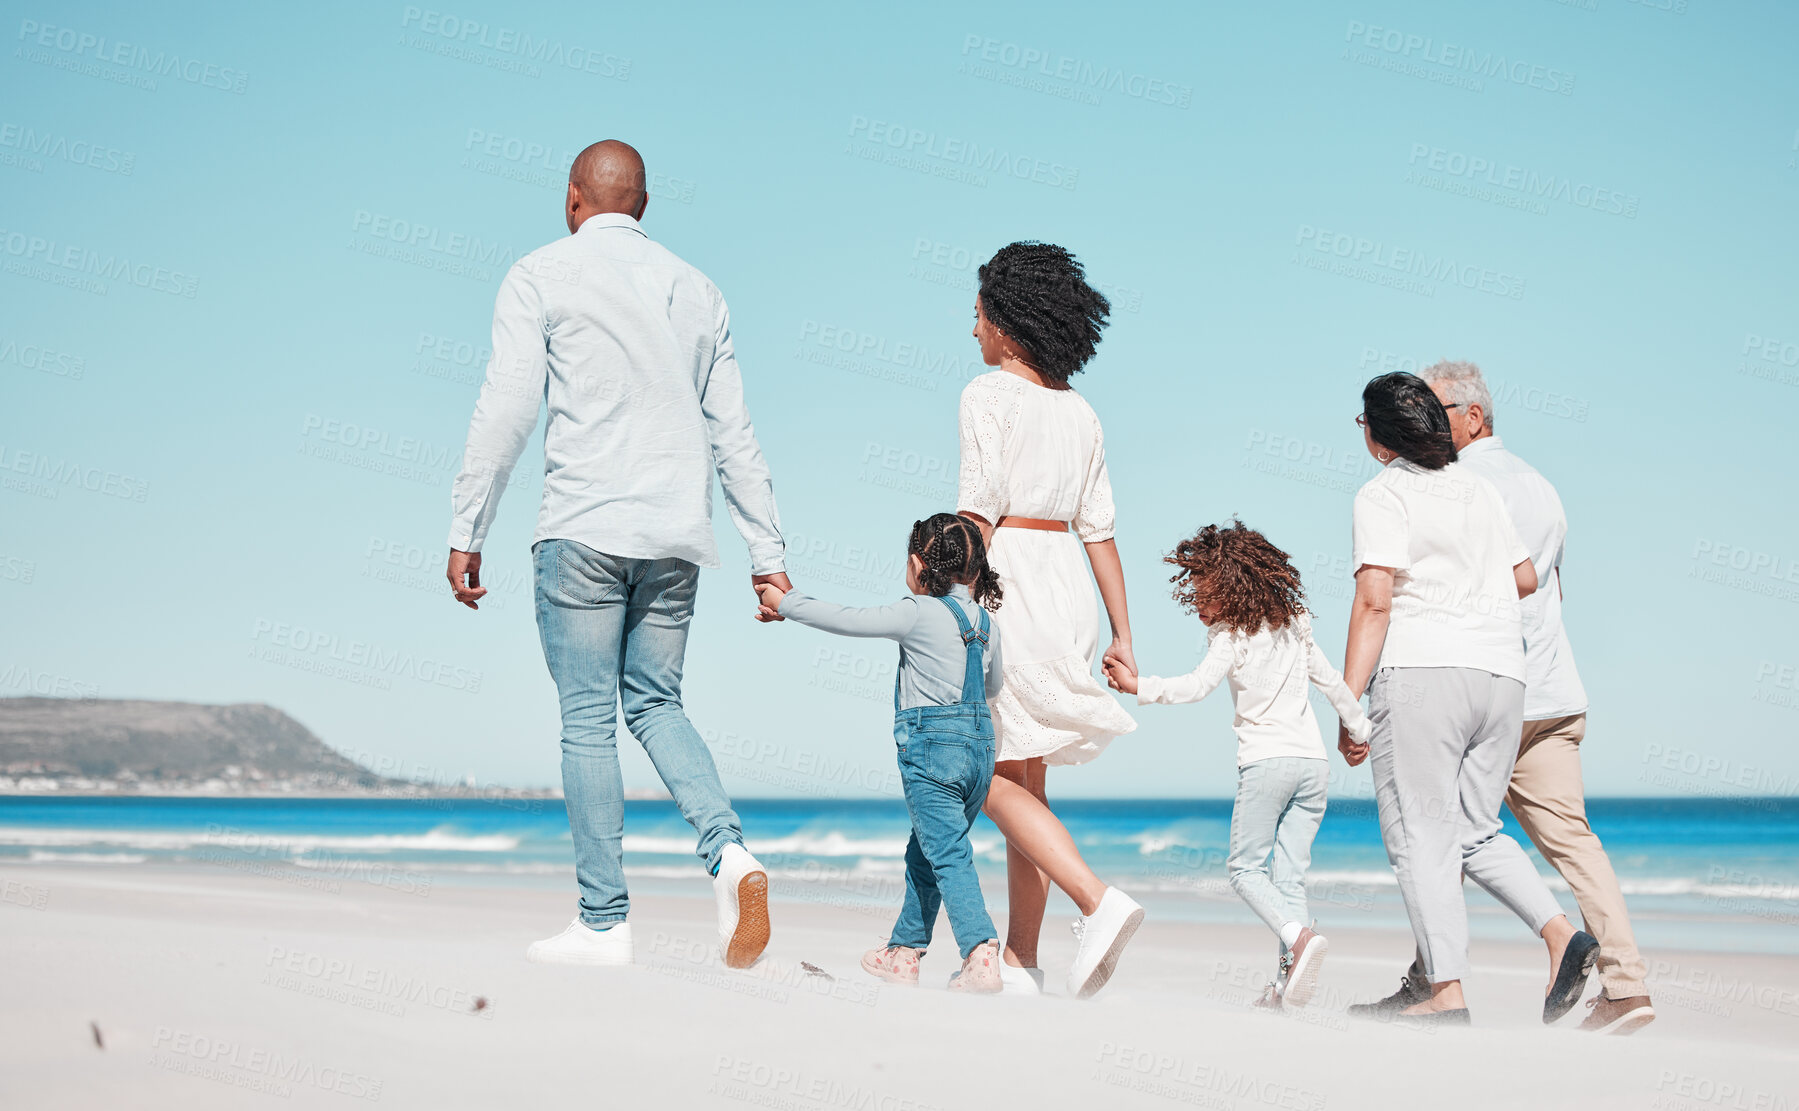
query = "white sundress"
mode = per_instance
[{"x": 1030, "y": 451}]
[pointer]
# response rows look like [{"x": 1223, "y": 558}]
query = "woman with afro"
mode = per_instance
[{"x": 1033, "y": 476}]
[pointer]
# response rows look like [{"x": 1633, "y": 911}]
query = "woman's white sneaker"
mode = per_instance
[
  {"x": 741, "y": 887},
  {"x": 1020, "y": 981},
  {"x": 1100, "y": 938},
  {"x": 581, "y": 944}
]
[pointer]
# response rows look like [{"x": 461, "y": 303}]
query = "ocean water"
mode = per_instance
[{"x": 1719, "y": 874}]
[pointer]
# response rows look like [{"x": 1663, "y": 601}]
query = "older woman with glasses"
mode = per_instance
[{"x": 1436, "y": 639}]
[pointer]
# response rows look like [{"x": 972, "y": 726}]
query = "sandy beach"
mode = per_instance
[{"x": 191, "y": 988}]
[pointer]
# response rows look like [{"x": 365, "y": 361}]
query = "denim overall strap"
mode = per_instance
[{"x": 974, "y": 671}]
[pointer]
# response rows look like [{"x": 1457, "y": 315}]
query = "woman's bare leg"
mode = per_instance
[
  {"x": 1038, "y": 847},
  {"x": 1027, "y": 886}
]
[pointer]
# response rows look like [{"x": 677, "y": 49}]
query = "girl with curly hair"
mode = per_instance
[
  {"x": 949, "y": 667},
  {"x": 1247, "y": 593},
  {"x": 1033, "y": 477}
]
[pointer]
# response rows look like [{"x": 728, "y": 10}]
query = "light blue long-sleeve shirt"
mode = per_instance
[
  {"x": 631, "y": 348},
  {"x": 932, "y": 658}
]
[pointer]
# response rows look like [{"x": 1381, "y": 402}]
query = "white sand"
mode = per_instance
[{"x": 215, "y": 989}]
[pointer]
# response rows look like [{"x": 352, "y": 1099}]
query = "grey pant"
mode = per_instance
[
  {"x": 1280, "y": 802},
  {"x": 1442, "y": 751}
]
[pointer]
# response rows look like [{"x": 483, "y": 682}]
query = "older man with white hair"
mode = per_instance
[{"x": 1546, "y": 794}]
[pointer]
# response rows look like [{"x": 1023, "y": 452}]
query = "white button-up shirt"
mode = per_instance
[
  {"x": 1552, "y": 686},
  {"x": 631, "y": 348}
]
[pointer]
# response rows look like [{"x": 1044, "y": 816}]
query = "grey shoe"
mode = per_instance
[{"x": 1412, "y": 990}]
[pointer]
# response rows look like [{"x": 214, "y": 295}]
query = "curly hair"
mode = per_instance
[
  {"x": 1404, "y": 414},
  {"x": 1236, "y": 572},
  {"x": 952, "y": 551},
  {"x": 1037, "y": 294}
]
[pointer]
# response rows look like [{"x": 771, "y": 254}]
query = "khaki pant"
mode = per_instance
[{"x": 1549, "y": 801}]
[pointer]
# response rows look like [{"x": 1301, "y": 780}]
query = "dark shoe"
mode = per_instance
[
  {"x": 1571, "y": 978},
  {"x": 1411, "y": 991},
  {"x": 1618, "y": 1016},
  {"x": 1431, "y": 1020}
]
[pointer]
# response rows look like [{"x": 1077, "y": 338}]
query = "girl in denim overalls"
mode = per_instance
[{"x": 949, "y": 666}]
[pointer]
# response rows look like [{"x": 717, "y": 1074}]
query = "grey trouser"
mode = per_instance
[{"x": 1444, "y": 742}]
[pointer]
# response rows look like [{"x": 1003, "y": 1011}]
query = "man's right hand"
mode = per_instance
[
  {"x": 778, "y": 580},
  {"x": 466, "y": 564}
]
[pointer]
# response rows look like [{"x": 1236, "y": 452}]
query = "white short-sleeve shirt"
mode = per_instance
[
  {"x": 1452, "y": 547},
  {"x": 1552, "y": 687}
]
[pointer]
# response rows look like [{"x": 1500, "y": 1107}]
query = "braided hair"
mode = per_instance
[
  {"x": 1037, "y": 294},
  {"x": 1237, "y": 572},
  {"x": 952, "y": 551}
]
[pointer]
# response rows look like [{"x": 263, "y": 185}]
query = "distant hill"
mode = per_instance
[{"x": 173, "y": 744}]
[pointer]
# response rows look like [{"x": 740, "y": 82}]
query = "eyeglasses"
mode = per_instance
[
  {"x": 1453, "y": 405},
  {"x": 1361, "y": 421}
]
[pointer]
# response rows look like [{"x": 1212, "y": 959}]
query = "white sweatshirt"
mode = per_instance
[{"x": 1268, "y": 673}]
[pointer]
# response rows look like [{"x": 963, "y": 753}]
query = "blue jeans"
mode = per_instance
[
  {"x": 615, "y": 630},
  {"x": 1280, "y": 802},
  {"x": 946, "y": 766}
]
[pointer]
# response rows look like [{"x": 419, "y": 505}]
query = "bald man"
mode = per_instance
[{"x": 631, "y": 349}]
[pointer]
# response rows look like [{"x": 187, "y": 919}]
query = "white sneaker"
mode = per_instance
[
  {"x": 1304, "y": 959},
  {"x": 1020, "y": 981},
  {"x": 742, "y": 890},
  {"x": 581, "y": 944},
  {"x": 1099, "y": 939}
]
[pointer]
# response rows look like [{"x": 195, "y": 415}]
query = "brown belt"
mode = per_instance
[{"x": 1032, "y": 522}]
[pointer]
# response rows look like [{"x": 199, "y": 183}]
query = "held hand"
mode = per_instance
[
  {"x": 770, "y": 589},
  {"x": 1121, "y": 651},
  {"x": 1119, "y": 676},
  {"x": 1353, "y": 753},
  {"x": 466, "y": 564}
]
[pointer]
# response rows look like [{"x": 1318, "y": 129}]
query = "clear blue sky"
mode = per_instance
[{"x": 246, "y": 265}]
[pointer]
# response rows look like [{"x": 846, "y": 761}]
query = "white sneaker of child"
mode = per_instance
[
  {"x": 1100, "y": 938},
  {"x": 581, "y": 944},
  {"x": 741, "y": 888}
]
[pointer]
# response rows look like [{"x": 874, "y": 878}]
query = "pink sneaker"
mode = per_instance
[
  {"x": 894, "y": 963},
  {"x": 980, "y": 972}
]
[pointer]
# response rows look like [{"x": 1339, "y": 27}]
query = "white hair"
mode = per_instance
[{"x": 1463, "y": 383}]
